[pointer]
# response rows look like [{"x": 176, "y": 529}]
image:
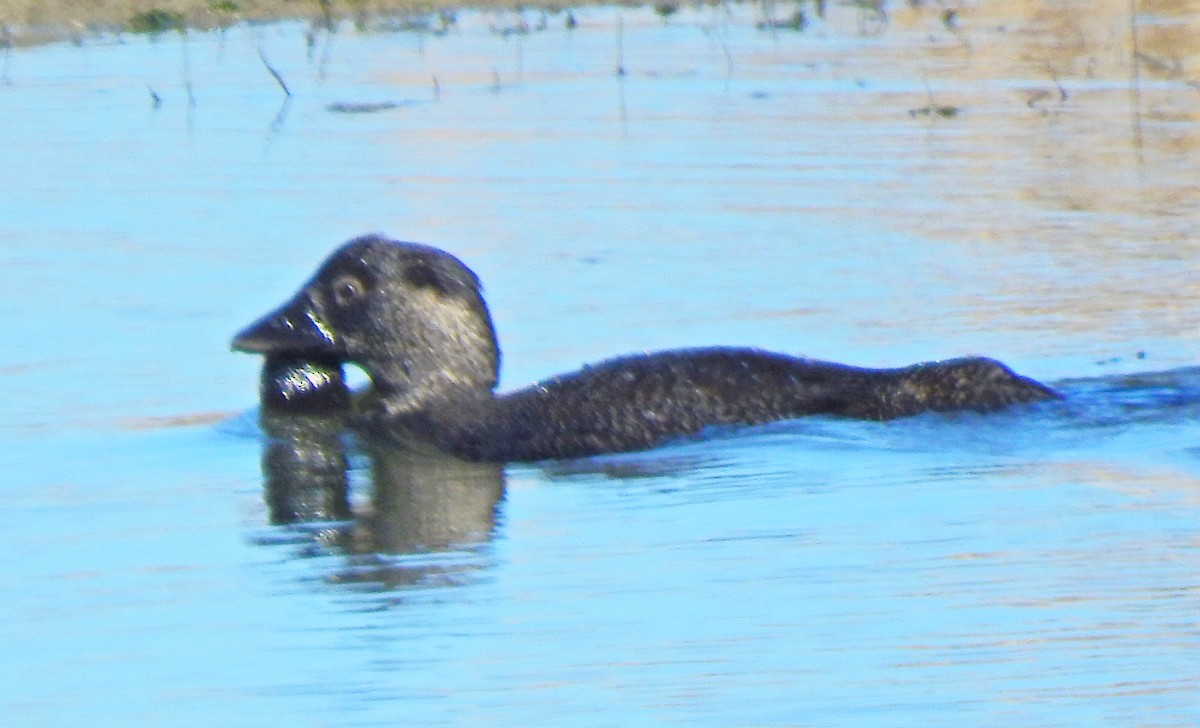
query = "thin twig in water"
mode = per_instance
[
  {"x": 620, "y": 46},
  {"x": 274, "y": 73},
  {"x": 155, "y": 99},
  {"x": 520, "y": 59},
  {"x": 722, "y": 29},
  {"x": 1135, "y": 82},
  {"x": 187, "y": 71},
  {"x": 281, "y": 115},
  {"x": 1062, "y": 91}
]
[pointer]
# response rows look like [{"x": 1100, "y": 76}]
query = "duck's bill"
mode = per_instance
[{"x": 295, "y": 328}]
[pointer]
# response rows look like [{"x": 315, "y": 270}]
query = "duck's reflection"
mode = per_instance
[
  {"x": 426, "y": 517},
  {"x": 425, "y": 523},
  {"x": 305, "y": 469},
  {"x": 428, "y": 502}
]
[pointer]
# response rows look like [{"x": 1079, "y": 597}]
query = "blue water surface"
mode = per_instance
[{"x": 791, "y": 191}]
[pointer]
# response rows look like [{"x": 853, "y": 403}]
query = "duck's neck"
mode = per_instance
[{"x": 394, "y": 398}]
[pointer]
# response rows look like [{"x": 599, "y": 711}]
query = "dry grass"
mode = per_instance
[{"x": 34, "y": 21}]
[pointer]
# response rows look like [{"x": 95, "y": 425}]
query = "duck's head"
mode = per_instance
[{"x": 410, "y": 315}]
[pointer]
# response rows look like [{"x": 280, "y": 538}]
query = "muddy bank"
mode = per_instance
[{"x": 26, "y": 22}]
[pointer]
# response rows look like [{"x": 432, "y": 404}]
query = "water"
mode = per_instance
[{"x": 1036, "y": 567}]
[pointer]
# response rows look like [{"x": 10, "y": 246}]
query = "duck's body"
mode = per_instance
[
  {"x": 414, "y": 319},
  {"x": 641, "y": 401}
]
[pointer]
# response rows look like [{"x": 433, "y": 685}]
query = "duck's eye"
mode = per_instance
[{"x": 347, "y": 289}]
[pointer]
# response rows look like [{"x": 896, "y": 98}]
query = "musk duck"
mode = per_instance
[{"x": 414, "y": 319}]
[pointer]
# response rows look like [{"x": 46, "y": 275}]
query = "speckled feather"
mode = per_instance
[
  {"x": 639, "y": 402},
  {"x": 414, "y": 318}
]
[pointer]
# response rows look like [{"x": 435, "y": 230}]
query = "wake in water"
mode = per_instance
[{"x": 1125, "y": 399}]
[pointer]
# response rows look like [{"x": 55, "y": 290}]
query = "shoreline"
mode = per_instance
[{"x": 34, "y": 22}]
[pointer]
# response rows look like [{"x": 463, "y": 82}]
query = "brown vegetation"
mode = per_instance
[{"x": 33, "y": 21}]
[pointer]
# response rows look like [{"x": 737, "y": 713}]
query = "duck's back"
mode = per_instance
[{"x": 638, "y": 402}]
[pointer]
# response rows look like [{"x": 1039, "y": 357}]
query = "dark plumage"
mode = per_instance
[
  {"x": 302, "y": 386},
  {"x": 413, "y": 317}
]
